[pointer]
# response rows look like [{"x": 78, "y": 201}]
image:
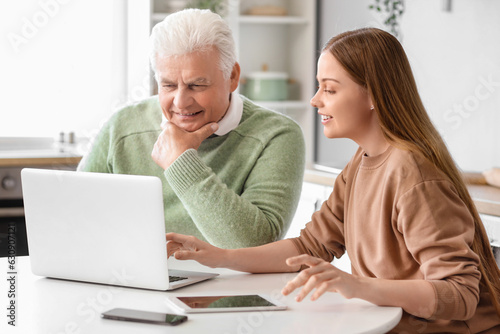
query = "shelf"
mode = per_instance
[
  {"x": 286, "y": 43},
  {"x": 283, "y": 104},
  {"x": 257, "y": 19},
  {"x": 251, "y": 19},
  {"x": 157, "y": 17}
]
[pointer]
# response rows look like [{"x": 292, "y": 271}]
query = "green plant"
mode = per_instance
[
  {"x": 216, "y": 6},
  {"x": 393, "y": 9}
]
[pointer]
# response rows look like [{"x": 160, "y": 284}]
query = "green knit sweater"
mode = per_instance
[{"x": 236, "y": 190}]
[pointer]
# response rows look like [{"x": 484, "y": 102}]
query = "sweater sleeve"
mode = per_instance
[
  {"x": 264, "y": 209},
  {"x": 323, "y": 236},
  {"x": 438, "y": 231}
]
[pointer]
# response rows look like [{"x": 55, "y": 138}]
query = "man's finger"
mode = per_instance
[
  {"x": 206, "y": 131},
  {"x": 163, "y": 124}
]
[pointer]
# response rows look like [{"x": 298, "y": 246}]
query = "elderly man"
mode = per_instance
[{"x": 231, "y": 170}]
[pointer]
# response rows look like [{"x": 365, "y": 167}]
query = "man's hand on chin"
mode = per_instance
[{"x": 173, "y": 141}]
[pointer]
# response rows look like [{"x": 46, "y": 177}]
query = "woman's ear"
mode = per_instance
[{"x": 370, "y": 103}]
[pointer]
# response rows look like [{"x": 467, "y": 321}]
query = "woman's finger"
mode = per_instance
[
  {"x": 304, "y": 259},
  {"x": 316, "y": 276},
  {"x": 184, "y": 255},
  {"x": 292, "y": 285},
  {"x": 180, "y": 238},
  {"x": 173, "y": 247},
  {"x": 314, "y": 281},
  {"x": 301, "y": 279},
  {"x": 321, "y": 289}
]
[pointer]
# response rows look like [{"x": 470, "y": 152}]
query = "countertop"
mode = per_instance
[
  {"x": 320, "y": 177},
  {"x": 39, "y": 161},
  {"x": 486, "y": 197},
  {"x": 39, "y": 151}
]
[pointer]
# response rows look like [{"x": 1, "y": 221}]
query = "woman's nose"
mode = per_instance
[{"x": 315, "y": 102}]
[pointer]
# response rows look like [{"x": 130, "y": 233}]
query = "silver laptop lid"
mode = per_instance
[{"x": 102, "y": 228}]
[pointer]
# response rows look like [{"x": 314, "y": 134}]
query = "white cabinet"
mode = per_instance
[
  {"x": 312, "y": 197},
  {"x": 492, "y": 226},
  {"x": 284, "y": 43}
]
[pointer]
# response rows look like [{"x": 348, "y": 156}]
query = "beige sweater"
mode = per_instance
[{"x": 399, "y": 217}]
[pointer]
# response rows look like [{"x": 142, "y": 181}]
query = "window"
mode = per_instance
[{"x": 62, "y": 65}]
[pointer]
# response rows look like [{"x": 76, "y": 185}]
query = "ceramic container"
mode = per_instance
[{"x": 267, "y": 86}]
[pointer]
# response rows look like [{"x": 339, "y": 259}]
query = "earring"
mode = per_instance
[{"x": 372, "y": 108}]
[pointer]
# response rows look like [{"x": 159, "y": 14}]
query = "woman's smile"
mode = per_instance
[{"x": 325, "y": 118}]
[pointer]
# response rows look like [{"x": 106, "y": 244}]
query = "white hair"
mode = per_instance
[{"x": 193, "y": 30}]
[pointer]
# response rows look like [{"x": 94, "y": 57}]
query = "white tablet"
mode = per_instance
[{"x": 227, "y": 303}]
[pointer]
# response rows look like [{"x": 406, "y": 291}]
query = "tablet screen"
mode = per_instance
[{"x": 201, "y": 302}]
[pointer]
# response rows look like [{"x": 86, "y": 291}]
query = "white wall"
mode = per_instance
[{"x": 456, "y": 61}]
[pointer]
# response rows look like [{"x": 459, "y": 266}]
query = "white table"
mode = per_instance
[{"x": 53, "y": 306}]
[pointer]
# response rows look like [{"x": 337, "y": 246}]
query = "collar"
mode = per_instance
[{"x": 232, "y": 117}]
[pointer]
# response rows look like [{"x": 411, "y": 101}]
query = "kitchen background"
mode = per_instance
[
  {"x": 67, "y": 65},
  {"x": 456, "y": 61}
]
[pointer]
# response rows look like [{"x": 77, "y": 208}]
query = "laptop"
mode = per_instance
[{"x": 99, "y": 228}]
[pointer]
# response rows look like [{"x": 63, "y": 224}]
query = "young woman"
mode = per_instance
[{"x": 399, "y": 207}]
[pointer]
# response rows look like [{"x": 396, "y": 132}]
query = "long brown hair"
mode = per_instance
[{"x": 376, "y": 60}]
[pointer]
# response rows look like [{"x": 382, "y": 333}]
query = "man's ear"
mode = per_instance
[{"x": 235, "y": 76}]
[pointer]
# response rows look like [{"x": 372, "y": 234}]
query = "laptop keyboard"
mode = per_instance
[{"x": 176, "y": 278}]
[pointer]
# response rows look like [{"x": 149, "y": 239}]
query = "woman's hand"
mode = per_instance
[
  {"x": 416, "y": 297},
  {"x": 322, "y": 276},
  {"x": 184, "y": 247}
]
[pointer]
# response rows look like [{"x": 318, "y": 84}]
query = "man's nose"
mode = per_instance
[{"x": 183, "y": 98}]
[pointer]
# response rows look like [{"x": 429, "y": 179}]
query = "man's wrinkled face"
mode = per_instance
[{"x": 192, "y": 89}]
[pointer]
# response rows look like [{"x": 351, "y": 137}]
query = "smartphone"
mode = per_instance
[{"x": 144, "y": 316}]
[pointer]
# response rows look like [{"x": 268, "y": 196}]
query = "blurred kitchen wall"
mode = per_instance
[{"x": 455, "y": 57}]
